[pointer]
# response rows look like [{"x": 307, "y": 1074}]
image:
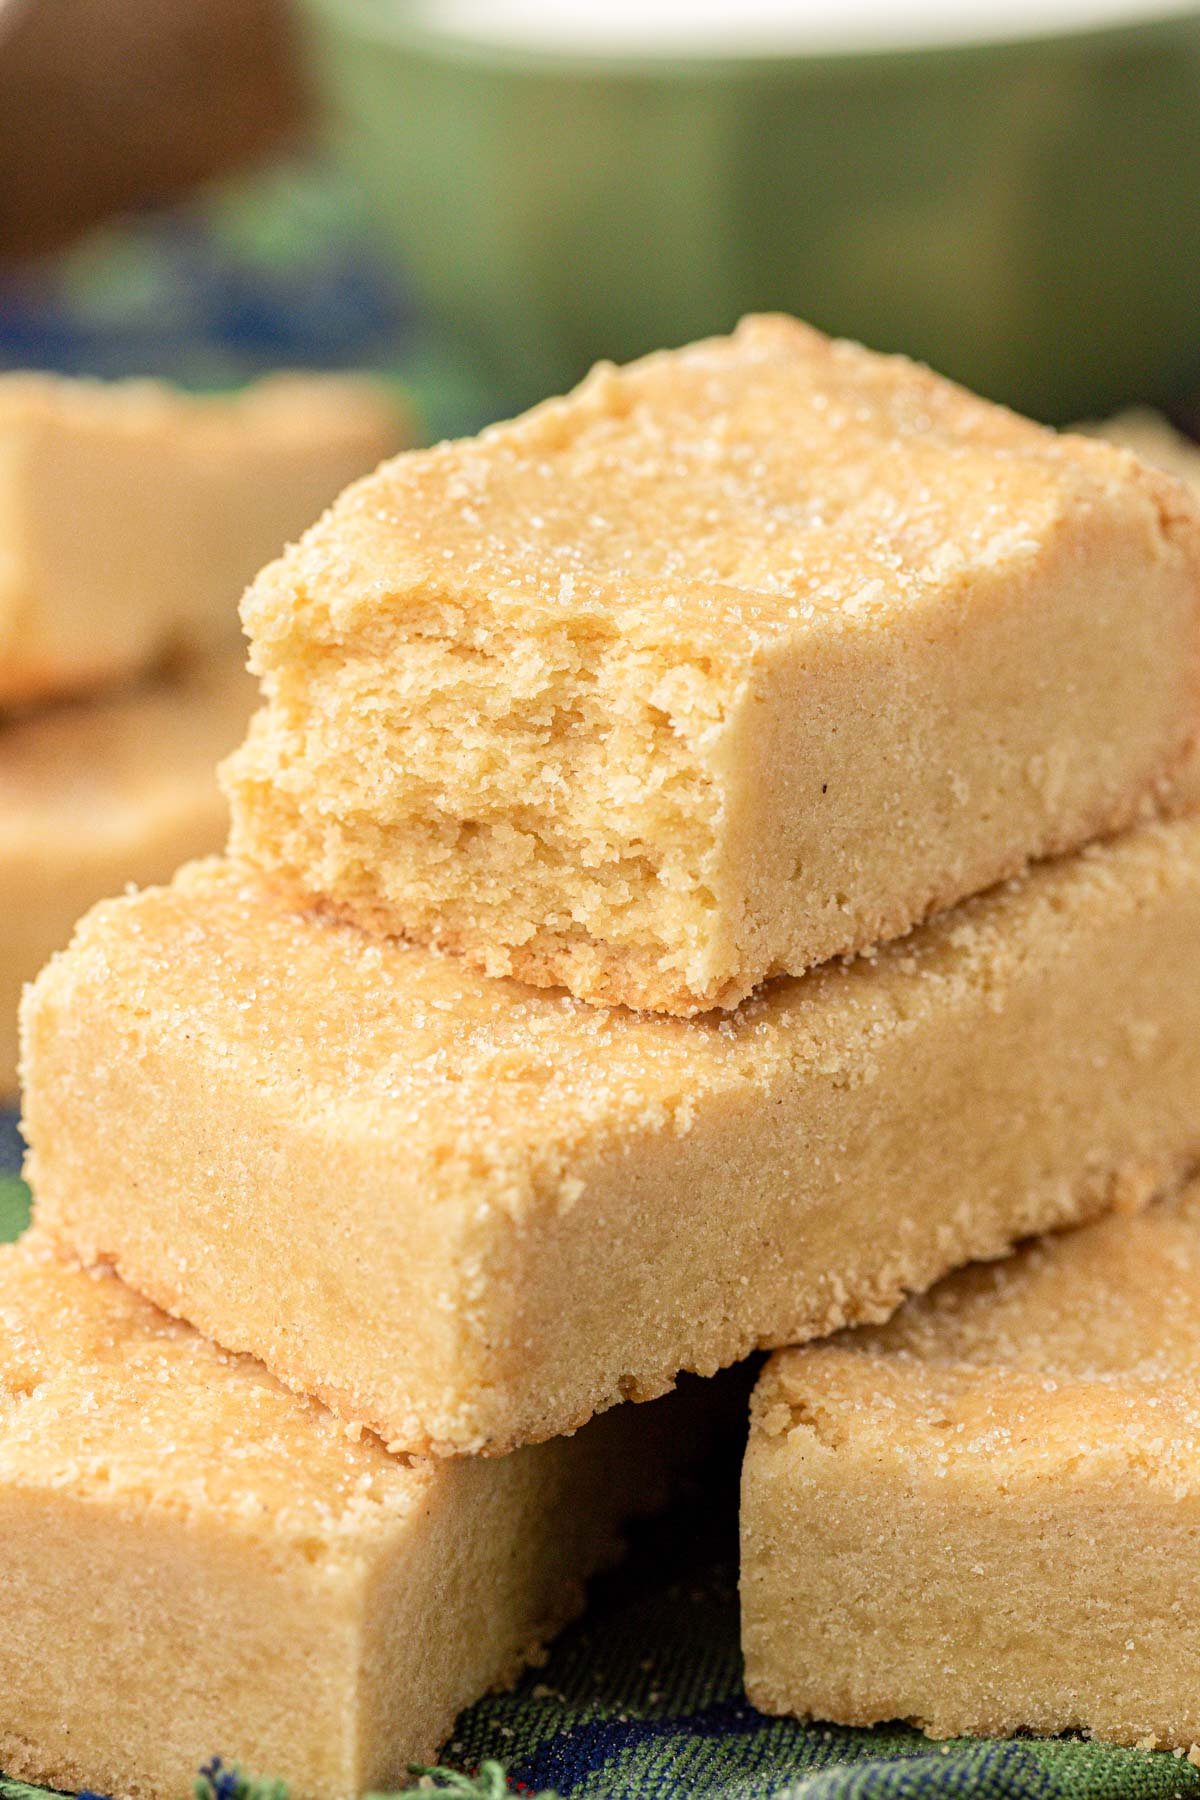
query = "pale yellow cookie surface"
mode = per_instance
[
  {"x": 97, "y": 794},
  {"x": 132, "y": 515},
  {"x": 1156, "y": 441},
  {"x": 984, "y": 1516},
  {"x": 194, "y": 1562},
  {"x": 734, "y": 660},
  {"x": 473, "y": 1213}
]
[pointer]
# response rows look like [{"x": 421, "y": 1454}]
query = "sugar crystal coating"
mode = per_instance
[
  {"x": 737, "y": 659},
  {"x": 194, "y": 1560},
  {"x": 380, "y": 1170},
  {"x": 1006, "y": 1476}
]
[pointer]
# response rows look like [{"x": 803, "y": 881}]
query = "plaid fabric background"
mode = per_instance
[
  {"x": 274, "y": 270},
  {"x": 643, "y": 1697}
]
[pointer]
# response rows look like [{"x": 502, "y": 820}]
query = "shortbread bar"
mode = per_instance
[
  {"x": 985, "y": 1516},
  {"x": 735, "y": 660},
  {"x": 1155, "y": 440},
  {"x": 132, "y": 516},
  {"x": 194, "y": 1562},
  {"x": 472, "y": 1214},
  {"x": 96, "y": 794}
]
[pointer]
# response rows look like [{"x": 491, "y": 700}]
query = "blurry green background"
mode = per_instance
[
  {"x": 14, "y": 1207},
  {"x": 203, "y": 188},
  {"x": 1025, "y": 215}
]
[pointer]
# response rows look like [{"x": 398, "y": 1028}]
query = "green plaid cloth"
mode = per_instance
[{"x": 644, "y": 1697}]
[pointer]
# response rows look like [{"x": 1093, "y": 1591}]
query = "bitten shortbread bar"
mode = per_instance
[
  {"x": 471, "y": 1214},
  {"x": 96, "y": 794},
  {"x": 132, "y": 516},
  {"x": 985, "y": 1516},
  {"x": 194, "y": 1562},
  {"x": 735, "y": 660}
]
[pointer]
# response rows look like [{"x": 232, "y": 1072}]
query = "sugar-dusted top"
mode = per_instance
[
  {"x": 421, "y": 1054},
  {"x": 104, "y": 1398},
  {"x": 1119, "y": 1298},
  {"x": 1083, "y": 1349},
  {"x": 763, "y": 481}
]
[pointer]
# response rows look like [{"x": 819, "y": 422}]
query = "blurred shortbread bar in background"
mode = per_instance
[
  {"x": 193, "y": 1559},
  {"x": 1156, "y": 441},
  {"x": 735, "y": 660},
  {"x": 95, "y": 794},
  {"x": 984, "y": 1517},
  {"x": 472, "y": 1214},
  {"x": 132, "y": 515}
]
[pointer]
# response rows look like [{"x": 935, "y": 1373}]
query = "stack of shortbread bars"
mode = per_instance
[
  {"x": 714, "y": 856},
  {"x": 130, "y": 518}
]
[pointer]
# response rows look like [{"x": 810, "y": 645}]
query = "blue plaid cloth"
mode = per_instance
[{"x": 273, "y": 271}]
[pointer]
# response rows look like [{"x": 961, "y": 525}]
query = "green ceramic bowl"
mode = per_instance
[{"x": 1024, "y": 215}]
